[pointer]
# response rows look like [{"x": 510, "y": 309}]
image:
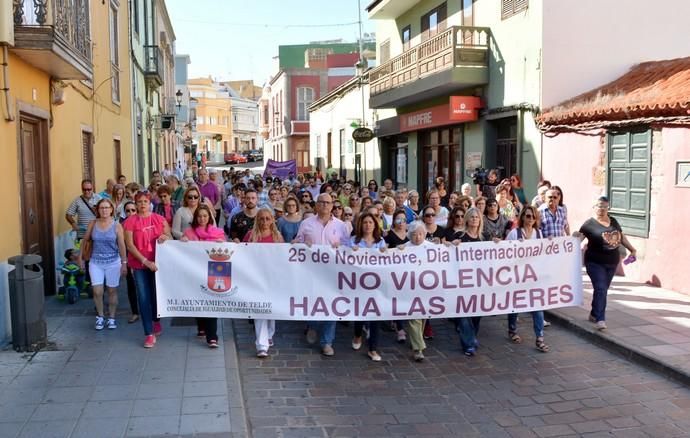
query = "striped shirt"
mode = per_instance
[{"x": 84, "y": 214}]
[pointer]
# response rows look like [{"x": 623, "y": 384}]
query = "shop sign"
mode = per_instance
[
  {"x": 464, "y": 108},
  {"x": 362, "y": 135},
  {"x": 460, "y": 109}
]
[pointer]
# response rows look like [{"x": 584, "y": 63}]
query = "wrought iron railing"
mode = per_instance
[
  {"x": 153, "y": 62},
  {"x": 69, "y": 19},
  {"x": 458, "y": 45}
]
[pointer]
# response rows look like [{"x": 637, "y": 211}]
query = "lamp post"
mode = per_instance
[{"x": 178, "y": 99}]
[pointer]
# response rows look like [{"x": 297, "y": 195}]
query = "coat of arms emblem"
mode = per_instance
[{"x": 219, "y": 270}]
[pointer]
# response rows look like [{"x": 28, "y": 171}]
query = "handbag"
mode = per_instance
[{"x": 86, "y": 246}]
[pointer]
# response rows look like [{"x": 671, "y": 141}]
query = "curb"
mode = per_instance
[
  {"x": 239, "y": 423},
  {"x": 620, "y": 347}
]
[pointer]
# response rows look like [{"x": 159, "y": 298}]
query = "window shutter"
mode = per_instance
[{"x": 87, "y": 155}]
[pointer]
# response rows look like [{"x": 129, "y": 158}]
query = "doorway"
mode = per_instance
[{"x": 37, "y": 222}]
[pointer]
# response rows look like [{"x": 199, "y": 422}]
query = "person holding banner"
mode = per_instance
[
  {"x": 416, "y": 232},
  {"x": 142, "y": 230},
  {"x": 368, "y": 235},
  {"x": 264, "y": 231},
  {"x": 323, "y": 229},
  {"x": 434, "y": 231},
  {"x": 202, "y": 229},
  {"x": 604, "y": 237},
  {"x": 469, "y": 326},
  {"x": 527, "y": 229},
  {"x": 456, "y": 225}
]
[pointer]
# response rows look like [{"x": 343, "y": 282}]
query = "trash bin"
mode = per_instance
[{"x": 26, "y": 303}]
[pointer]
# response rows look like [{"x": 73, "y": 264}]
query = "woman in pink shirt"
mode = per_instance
[
  {"x": 264, "y": 231},
  {"x": 202, "y": 229}
]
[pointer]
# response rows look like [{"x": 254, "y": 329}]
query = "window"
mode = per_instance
[
  {"x": 135, "y": 16},
  {"x": 406, "y": 37},
  {"x": 237, "y": 144},
  {"x": 305, "y": 97},
  {"x": 385, "y": 51},
  {"x": 200, "y": 120},
  {"x": 211, "y": 121},
  {"x": 114, "y": 54},
  {"x": 629, "y": 164},
  {"x": 512, "y": 7},
  {"x": 434, "y": 22},
  {"x": 87, "y": 156},
  {"x": 117, "y": 150}
]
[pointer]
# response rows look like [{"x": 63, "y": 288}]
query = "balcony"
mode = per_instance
[
  {"x": 153, "y": 66},
  {"x": 53, "y": 35},
  {"x": 450, "y": 61}
]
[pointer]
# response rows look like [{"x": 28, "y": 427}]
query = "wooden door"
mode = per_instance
[{"x": 37, "y": 228}]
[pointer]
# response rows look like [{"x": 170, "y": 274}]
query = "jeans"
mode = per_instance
[
  {"x": 145, "y": 281},
  {"x": 373, "y": 340},
  {"x": 327, "y": 329},
  {"x": 537, "y": 323},
  {"x": 132, "y": 293},
  {"x": 601, "y": 276},
  {"x": 469, "y": 327}
]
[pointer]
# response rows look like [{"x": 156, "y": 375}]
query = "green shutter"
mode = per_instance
[{"x": 629, "y": 163}]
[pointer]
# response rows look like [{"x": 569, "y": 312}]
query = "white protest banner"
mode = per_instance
[{"x": 283, "y": 281}]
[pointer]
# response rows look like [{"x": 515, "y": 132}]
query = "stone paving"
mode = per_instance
[{"x": 508, "y": 390}]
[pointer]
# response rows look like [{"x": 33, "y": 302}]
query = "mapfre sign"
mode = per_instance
[{"x": 459, "y": 109}]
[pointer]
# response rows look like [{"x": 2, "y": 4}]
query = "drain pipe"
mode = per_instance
[{"x": 6, "y": 84}]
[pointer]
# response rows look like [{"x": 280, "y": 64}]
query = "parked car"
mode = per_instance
[
  {"x": 234, "y": 158},
  {"x": 255, "y": 155}
]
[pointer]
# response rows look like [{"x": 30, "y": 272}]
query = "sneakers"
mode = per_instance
[
  {"x": 402, "y": 337},
  {"x": 312, "y": 336},
  {"x": 592, "y": 319},
  {"x": 327, "y": 350},
  {"x": 601, "y": 325},
  {"x": 201, "y": 334},
  {"x": 418, "y": 356},
  {"x": 262, "y": 354},
  {"x": 157, "y": 328},
  {"x": 132, "y": 319},
  {"x": 547, "y": 323},
  {"x": 373, "y": 355},
  {"x": 428, "y": 331},
  {"x": 112, "y": 325},
  {"x": 149, "y": 341},
  {"x": 100, "y": 323},
  {"x": 470, "y": 352},
  {"x": 356, "y": 343},
  {"x": 212, "y": 343}
]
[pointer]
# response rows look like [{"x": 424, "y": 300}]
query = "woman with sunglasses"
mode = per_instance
[
  {"x": 306, "y": 201},
  {"x": 142, "y": 231},
  {"x": 202, "y": 229},
  {"x": 434, "y": 232},
  {"x": 604, "y": 238},
  {"x": 165, "y": 207},
  {"x": 496, "y": 225},
  {"x": 288, "y": 224},
  {"x": 469, "y": 326},
  {"x": 337, "y": 210},
  {"x": 355, "y": 203},
  {"x": 348, "y": 217},
  {"x": 344, "y": 195},
  {"x": 128, "y": 209},
  {"x": 185, "y": 214},
  {"x": 372, "y": 189},
  {"x": 367, "y": 235},
  {"x": 107, "y": 262},
  {"x": 264, "y": 231},
  {"x": 456, "y": 225},
  {"x": 527, "y": 229}
]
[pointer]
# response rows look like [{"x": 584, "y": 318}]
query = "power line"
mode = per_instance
[{"x": 282, "y": 26}]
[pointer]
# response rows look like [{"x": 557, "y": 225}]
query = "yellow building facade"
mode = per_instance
[
  {"x": 214, "y": 123},
  {"x": 66, "y": 117}
]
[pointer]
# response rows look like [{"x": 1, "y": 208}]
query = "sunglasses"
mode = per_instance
[
  {"x": 192, "y": 197},
  {"x": 459, "y": 216},
  {"x": 130, "y": 210},
  {"x": 89, "y": 189},
  {"x": 348, "y": 214},
  {"x": 429, "y": 214},
  {"x": 337, "y": 207},
  {"x": 529, "y": 216}
]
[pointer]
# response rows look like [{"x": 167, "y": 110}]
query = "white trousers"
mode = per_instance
[{"x": 264, "y": 330}]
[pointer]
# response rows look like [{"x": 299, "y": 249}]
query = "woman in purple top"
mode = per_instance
[{"x": 367, "y": 235}]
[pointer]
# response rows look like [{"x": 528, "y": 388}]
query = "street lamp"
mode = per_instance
[{"x": 178, "y": 99}]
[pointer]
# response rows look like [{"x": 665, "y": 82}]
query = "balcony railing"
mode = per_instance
[
  {"x": 153, "y": 64},
  {"x": 458, "y": 46},
  {"x": 61, "y": 26}
]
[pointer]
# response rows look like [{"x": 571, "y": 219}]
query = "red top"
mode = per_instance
[
  {"x": 145, "y": 232},
  {"x": 266, "y": 239}
]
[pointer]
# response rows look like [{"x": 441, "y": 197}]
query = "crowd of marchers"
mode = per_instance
[{"x": 117, "y": 230}]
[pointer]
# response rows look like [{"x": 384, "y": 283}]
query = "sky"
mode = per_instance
[{"x": 237, "y": 39}]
